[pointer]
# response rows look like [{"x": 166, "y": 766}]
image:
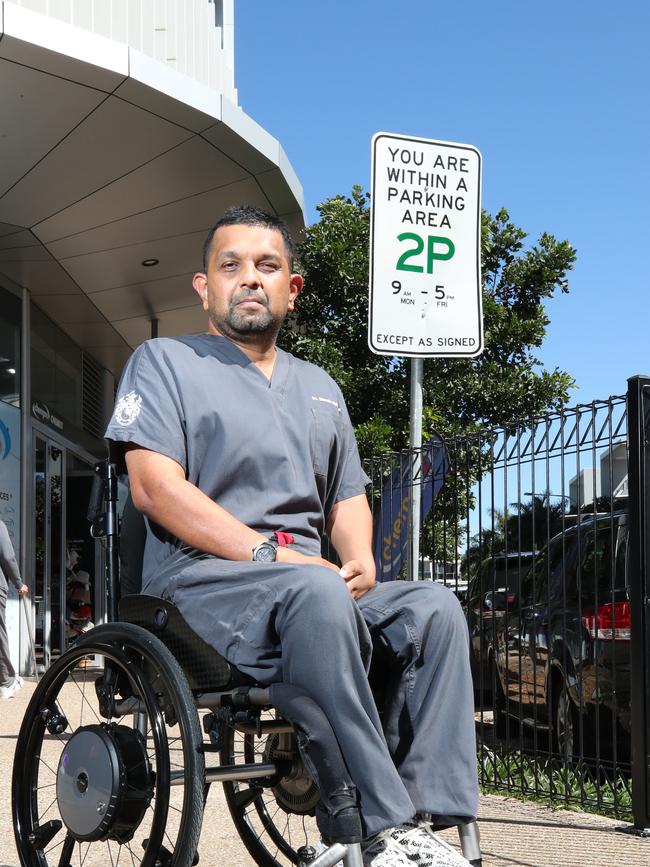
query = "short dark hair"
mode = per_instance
[{"x": 248, "y": 215}]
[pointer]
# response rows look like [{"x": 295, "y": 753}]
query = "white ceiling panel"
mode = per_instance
[
  {"x": 42, "y": 278},
  {"x": 33, "y": 252},
  {"x": 127, "y": 138},
  {"x": 91, "y": 334},
  {"x": 9, "y": 229},
  {"x": 112, "y": 357},
  {"x": 48, "y": 109},
  {"x": 186, "y": 170},
  {"x": 164, "y": 91},
  {"x": 56, "y": 47},
  {"x": 275, "y": 187},
  {"x": 146, "y": 299},
  {"x": 69, "y": 309},
  {"x": 16, "y": 239},
  {"x": 186, "y": 320},
  {"x": 225, "y": 139},
  {"x": 196, "y": 213},
  {"x": 123, "y": 266}
]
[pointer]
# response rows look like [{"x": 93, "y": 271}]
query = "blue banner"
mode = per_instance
[{"x": 392, "y": 530}]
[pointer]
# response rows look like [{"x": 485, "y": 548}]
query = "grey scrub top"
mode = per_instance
[
  {"x": 8, "y": 564},
  {"x": 277, "y": 455}
]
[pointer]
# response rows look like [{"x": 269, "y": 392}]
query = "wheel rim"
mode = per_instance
[
  {"x": 65, "y": 728},
  {"x": 271, "y": 834},
  {"x": 564, "y": 727}
]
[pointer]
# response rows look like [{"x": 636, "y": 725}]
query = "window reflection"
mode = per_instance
[{"x": 10, "y": 316}]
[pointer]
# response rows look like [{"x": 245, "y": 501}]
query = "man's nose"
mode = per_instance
[{"x": 250, "y": 276}]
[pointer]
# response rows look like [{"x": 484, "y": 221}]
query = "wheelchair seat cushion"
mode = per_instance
[{"x": 204, "y": 668}]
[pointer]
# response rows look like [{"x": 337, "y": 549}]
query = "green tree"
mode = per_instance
[{"x": 506, "y": 382}]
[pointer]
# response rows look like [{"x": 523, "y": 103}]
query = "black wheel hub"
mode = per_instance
[
  {"x": 104, "y": 782},
  {"x": 296, "y": 792}
]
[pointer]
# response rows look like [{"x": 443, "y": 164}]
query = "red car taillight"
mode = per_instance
[{"x": 611, "y": 620}]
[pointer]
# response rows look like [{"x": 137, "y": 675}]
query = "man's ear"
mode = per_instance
[
  {"x": 200, "y": 284},
  {"x": 295, "y": 288}
]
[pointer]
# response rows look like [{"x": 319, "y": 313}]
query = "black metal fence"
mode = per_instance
[{"x": 541, "y": 529}]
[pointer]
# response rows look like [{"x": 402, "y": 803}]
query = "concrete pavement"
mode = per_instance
[{"x": 513, "y": 833}]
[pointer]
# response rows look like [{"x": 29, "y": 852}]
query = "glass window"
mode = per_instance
[
  {"x": 56, "y": 368},
  {"x": 10, "y": 318}
]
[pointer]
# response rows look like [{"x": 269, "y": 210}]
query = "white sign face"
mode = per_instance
[{"x": 425, "y": 265}]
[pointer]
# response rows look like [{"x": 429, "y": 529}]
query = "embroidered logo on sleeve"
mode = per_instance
[{"x": 127, "y": 409}]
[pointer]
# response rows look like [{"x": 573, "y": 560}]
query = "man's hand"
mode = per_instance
[
  {"x": 24, "y": 590},
  {"x": 358, "y": 577},
  {"x": 288, "y": 555}
]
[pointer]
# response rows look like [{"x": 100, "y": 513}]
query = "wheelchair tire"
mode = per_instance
[
  {"x": 94, "y": 780},
  {"x": 264, "y": 815}
]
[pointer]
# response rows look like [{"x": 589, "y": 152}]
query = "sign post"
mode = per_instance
[{"x": 425, "y": 266}]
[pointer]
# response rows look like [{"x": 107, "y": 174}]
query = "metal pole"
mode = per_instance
[
  {"x": 415, "y": 445},
  {"x": 638, "y": 420}
]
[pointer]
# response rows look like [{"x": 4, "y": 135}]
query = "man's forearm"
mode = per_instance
[
  {"x": 167, "y": 498},
  {"x": 350, "y": 531},
  {"x": 161, "y": 492}
]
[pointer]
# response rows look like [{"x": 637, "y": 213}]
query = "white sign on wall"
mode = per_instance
[{"x": 425, "y": 266}]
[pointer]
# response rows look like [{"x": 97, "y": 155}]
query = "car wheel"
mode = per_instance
[
  {"x": 565, "y": 726},
  {"x": 504, "y": 725}
]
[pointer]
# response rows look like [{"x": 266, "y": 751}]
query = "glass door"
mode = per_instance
[
  {"x": 66, "y": 560},
  {"x": 49, "y": 563}
]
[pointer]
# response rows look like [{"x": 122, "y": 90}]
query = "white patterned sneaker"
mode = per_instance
[
  {"x": 8, "y": 691},
  {"x": 385, "y": 851},
  {"x": 425, "y": 848}
]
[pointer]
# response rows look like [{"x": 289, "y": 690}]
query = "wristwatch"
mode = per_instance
[{"x": 266, "y": 551}]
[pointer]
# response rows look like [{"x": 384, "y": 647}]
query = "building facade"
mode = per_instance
[{"x": 121, "y": 142}]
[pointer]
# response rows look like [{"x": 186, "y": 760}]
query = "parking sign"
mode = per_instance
[{"x": 425, "y": 266}]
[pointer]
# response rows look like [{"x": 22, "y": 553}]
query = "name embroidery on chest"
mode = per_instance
[{"x": 326, "y": 400}]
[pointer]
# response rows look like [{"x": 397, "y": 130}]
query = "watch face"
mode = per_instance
[{"x": 265, "y": 553}]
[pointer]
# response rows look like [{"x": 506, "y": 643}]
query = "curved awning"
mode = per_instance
[{"x": 109, "y": 158}]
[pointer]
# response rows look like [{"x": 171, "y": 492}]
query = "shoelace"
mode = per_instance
[
  {"x": 424, "y": 828},
  {"x": 389, "y": 841}
]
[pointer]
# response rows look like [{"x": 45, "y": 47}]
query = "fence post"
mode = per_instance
[{"x": 638, "y": 420}]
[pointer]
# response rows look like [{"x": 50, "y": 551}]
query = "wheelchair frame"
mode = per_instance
[{"x": 118, "y": 781}]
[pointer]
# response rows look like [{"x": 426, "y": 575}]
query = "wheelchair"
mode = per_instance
[{"x": 129, "y": 728}]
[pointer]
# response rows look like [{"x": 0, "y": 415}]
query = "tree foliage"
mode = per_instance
[
  {"x": 506, "y": 382},
  {"x": 526, "y": 526}
]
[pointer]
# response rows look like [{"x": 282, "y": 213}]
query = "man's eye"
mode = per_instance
[
  {"x": 268, "y": 266},
  {"x": 229, "y": 266}
]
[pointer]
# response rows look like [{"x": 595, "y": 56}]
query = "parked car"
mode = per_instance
[
  {"x": 560, "y": 648},
  {"x": 496, "y": 580}
]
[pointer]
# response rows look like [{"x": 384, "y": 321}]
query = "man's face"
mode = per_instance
[{"x": 248, "y": 289}]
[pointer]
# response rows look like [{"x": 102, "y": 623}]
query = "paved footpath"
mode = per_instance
[{"x": 513, "y": 833}]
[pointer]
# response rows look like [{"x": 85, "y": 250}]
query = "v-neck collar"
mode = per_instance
[{"x": 280, "y": 368}]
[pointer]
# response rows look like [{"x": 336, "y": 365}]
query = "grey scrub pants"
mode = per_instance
[
  {"x": 299, "y": 624},
  {"x": 7, "y": 671}
]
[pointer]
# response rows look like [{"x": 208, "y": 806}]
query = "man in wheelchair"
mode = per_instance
[{"x": 241, "y": 456}]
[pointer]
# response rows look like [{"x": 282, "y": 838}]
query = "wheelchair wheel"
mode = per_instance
[
  {"x": 109, "y": 768},
  {"x": 275, "y": 819}
]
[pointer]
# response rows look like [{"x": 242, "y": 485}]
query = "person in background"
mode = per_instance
[{"x": 10, "y": 682}]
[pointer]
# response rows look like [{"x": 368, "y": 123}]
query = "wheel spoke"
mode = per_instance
[
  {"x": 165, "y": 812},
  {"x": 66, "y": 852}
]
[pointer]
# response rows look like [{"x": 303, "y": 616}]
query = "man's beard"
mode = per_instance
[{"x": 246, "y": 325}]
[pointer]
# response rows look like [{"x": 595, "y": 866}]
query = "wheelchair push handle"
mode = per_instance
[{"x": 96, "y": 502}]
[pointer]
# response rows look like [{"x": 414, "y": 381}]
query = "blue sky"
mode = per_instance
[{"x": 555, "y": 96}]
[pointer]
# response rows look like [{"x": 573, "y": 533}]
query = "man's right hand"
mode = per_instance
[
  {"x": 288, "y": 555},
  {"x": 24, "y": 590}
]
